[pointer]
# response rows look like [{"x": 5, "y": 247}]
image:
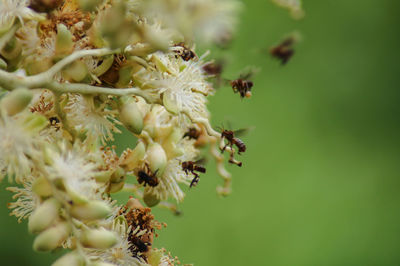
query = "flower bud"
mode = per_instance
[
  {"x": 52, "y": 238},
  {"x": 35, "y": 123},
  {"x": 42, "y": 187},
  {"x": 133, "y": 157},
  {"x": 170, "y": 103},
  {"x": 70, "y": 259},
  {"x": 118, "y": 175},
  {"x": 130, "y": 115},
  {"x": 103, "y": 176},
  {"x": 76, "y": 71},
  {"x": 12, "y": 50},
  {"x": 157, "y": 158},
  {"x": 76, "y": 197},
  {"x": 89, "y": 5},
  {"x": 98, "y": 238},
  {"x": 93, "y": 210},
  {"x": 115, "y": 187},
  {"x": 3, "y": 64},
  {"x": 44, "y": 216},
  {"x": 104, "y": 66},
  {"x": 64, "y": 43},
  {"x": 151, "y": 200},
  {"x": 16, "y": 101},
  {"x": 170, "y": 145},
  {"x": 154, "y": 257}
]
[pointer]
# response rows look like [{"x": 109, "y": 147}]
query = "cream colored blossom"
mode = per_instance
[
  {"x": 97, "y": 122},
  {"x": 27, "y": 200},
  {"x": 10, "y": 10}
]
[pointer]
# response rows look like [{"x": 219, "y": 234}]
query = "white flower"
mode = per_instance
[
  {"x": 181, "y": 83},
  {"x": 96, "y": 121},
  {"x": 173, "y": 175},
  {"x": 294, "y": 7},
  {"x": 26, "y": 202},
  {"x": 19, "y": 143},
  {"x": 74, "y": 166},
  {"x": 15, "y": 9}
]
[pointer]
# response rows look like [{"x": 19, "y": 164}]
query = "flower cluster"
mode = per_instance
[{"x": 72, "y": 74}]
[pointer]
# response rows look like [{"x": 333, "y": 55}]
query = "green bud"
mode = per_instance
[
  {"x": 125, "y": 76},
  {"x": 157, "y": 158},
  {"x": 76, "y": 71},
  {"x": 89, "y": 5},
  {"x": 154, "y": 257},
  {"x": 170, "y": 145},
  {"x": 3, "y": 64},
  {"x": 118, "y": 176},
  {"x": 12, "y": 49},
  {"x": 70, "y": 259},
  {"x": 16, "y": 101},
  {"x": 42, "y": 187},
  {"x": 52, "y": 237},
  {"x": 35, "y": 122},
  {"x": 104, "y": 66},
  {"x": 170, "y": 103},
  {"x": 150, "y": 199},
  {"x": 76, "y": 197},
  {"x": 103, "y": 176},
  {"x": 44, "y": 216},
  {"x": 130, "y": 115},
  {"x": 116, "y": 187},
  {"x": 133, "y": 158},
  {"x": 64, "y": 43},
  {"x": 98, "y": 238},
  {"x": 93, "y": 210}
]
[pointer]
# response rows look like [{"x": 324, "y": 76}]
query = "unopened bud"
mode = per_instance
[
  {"x": 3, "y": 64},
  {"x": 151, "y": 200},
  {"x": 157, "y": 158},
  {"x": 52, "y": 237},
  {"x": 89, "y": 5},
  {"x": 116, "y": 187},
  {"x": 76, "y": 72},
  {"x": 104, "y": 66},
  {"x": 42, "y": 187},
  {"x": 170, "y": 145},
  {"x": 64, "y": 43},
  {"x": 103, "y": 176},
  {"x": 12, "y": 49},
  {"x": 93, "y": 210},
  {"x": 70, "y": 259},
  {"x": 132, "y": 158},
  {"x": 44, "y": 216},
  {"x": 134, "y": 203},
  {"x": 16, "y": 101},
  {"x": 98, "y": 238},
  {"x": 130, "y": 115},
  {"x": 118, "y": 175},
  {"x": 170, "y": 103},
  {"x": 35, "y": 122}
]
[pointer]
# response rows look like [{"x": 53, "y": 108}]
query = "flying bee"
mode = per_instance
[
  {"x": 192, "y": 133},
  {"x": 231, "y": 138},
  {"x": 190, "y": 166},
  {"x": 148, "y": 178},
  {"x": 283, "y": 51},
  {"x": 243, "y": 84},
  {"x": 185, "y": 53}
]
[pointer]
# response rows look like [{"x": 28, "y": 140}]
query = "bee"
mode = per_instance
[
  {"x": 192, "y": 133},
  {"x": 243, "y": 84},
  {"x": 229, "y": 135},
  {"x": 185, "y": 53},
  {"x": 140, "y": 245},
  {"x": 213, "y": 68},
  {"x": 55, "y": 122},
  {"x": 148, "y": 178},
  {"x": 284, "y": 51},
  {"x": 190, "y": 166}
]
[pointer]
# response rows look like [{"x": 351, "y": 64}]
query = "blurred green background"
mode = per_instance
[{"x": 321, "y": 178}]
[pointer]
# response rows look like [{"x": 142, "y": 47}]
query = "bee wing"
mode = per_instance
[
  {"x": 201, "y": 161},
  {"x": 243, "y": 131}
]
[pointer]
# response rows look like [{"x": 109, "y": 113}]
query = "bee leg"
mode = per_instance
[
  {"x": 223, "y": 149},
  {"x": 195, "y": 180},
  {"x": 234, "y": 161}
]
